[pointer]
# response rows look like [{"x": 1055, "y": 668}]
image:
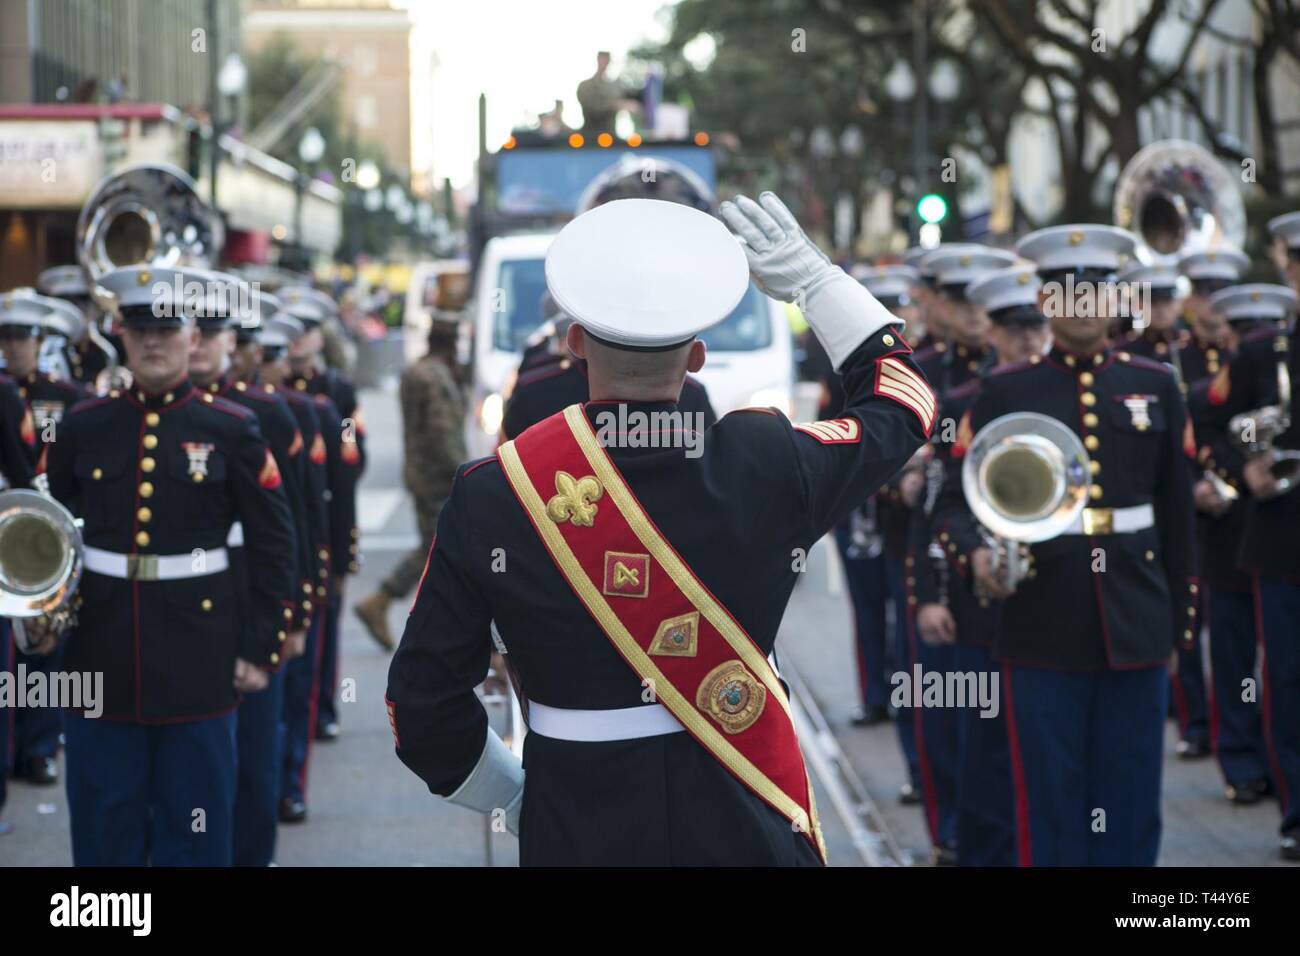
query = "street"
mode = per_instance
[{"x": 367, "y": 809}]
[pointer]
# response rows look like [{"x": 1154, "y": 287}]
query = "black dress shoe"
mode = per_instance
[
  {"x": 328, "y": 732},
  {"x": 1247, "y": 792},
  {"x": 292, "y": 811},
  {"x": 1194, "y": 748},
  {"x": 908, "y": 795},
  {"x": 42, "y": 771},
  {"x": 1289, "y": 849},
  {"x": 944, "y": 856},
  {"x": 871, "y": 714}
]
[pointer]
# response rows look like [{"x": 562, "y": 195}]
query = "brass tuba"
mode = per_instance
[
  {"x": 1178, "y": 198},
  {"x": 41, "y": 556},
  {"x": 1026, "y": 479},
  {"x": 149, "y": 213},
  {"x": 1256, "y": 431}
]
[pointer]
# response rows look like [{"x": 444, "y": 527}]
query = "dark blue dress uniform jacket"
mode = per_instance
[
  {"x": 1249, "y": 381},
  {"x": 742, "y": 515},
  {"x": 1068, "y": 616},
  {"x": 167, "y": 649}
]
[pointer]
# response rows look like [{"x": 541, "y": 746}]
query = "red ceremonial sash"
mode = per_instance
[{"x": 659, "y": 616}]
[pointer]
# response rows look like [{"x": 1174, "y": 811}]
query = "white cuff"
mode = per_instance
[
  {"x": 495, "y": 783},
  {"x": 843, "y": 315}
]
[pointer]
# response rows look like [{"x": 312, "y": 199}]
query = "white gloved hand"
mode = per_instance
[
  {"x": 788, "y": 266},
  {"x": 784, "y": 262},
  {"x": 495, "y": 785}
]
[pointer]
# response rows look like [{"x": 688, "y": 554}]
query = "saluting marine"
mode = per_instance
[
  {"x": 638, "y": 630},
  {"x": 159, "y": 474},
  {"x": 1253, "y": 398},
  {"x": 1084, "y": 638}
]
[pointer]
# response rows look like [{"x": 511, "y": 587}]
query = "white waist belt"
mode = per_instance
[
  {"x": 154, "y": 567},
  {"x": 236, "y": 537},
  {"x": 1113, "y": 520},
  {"x": 626, "y": 723}
]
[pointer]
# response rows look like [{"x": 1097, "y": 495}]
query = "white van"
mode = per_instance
[
  {"x": 421, "y": 297},
  {"x": 750, "y": 357}
]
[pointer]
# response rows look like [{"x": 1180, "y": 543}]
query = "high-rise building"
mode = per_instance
[{"x": 371, "y": 41}]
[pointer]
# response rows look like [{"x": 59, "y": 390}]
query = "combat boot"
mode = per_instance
[{"x": 373, "y": 613}]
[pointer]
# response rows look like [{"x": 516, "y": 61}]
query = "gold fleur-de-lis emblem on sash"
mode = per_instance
[{"x": 574, "y": 499}]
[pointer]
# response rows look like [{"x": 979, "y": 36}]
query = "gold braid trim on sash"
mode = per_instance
[
  {"x": 653, "y": 542},
  {"x": 641, "y": 662}
]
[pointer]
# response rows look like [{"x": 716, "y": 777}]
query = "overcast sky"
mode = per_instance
[{"x": 523, "y": 54}]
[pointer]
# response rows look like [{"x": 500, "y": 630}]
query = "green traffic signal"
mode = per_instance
[{"x": 931, "y": 208}]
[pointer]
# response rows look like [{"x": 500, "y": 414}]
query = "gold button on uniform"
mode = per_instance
[
  {"x": 150, "y": 441},
  {"x": 275, "y": 658},
  {"x": 1091, "y": 443},
  {"x": 197, "y": 477},
  {"x": 323, "y": 554},
  {"x": 146, "y": 489},
  {"x": 206, "y": 604},
  {"x": 97, "y": 474},
  {"x": 1085, "y": 379},
  {"x": 281, "y": 636},
  {"x": 142, "y": 539},
  {"x": 145, "y": 515},
  {"x": 1095, "y": 492},
  {"x": 152, "y": 419},
  {"x": 320, "y": 591},
  {"x": 1151, "y": 555},
  {"x": 1090, "y": 420},
  {"x": 887, "y": 339},
  {"x": 306, "y": 587},
  {"x": 147, "y": 465},
  {"x": 306, "y": 605},
  {"x": 1094, "y": 466},
  {"x": 288, "y": 614},
  {"x": 1088, "y": 399}
]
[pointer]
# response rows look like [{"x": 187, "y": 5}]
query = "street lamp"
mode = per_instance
[
  {"x": 310, "y": 150},
  {"x": 367, "y": 175},
  {"x": 233, "y": 75},
  {"x": 232, "y": 78},
  {"x": 900, "y": 82}
]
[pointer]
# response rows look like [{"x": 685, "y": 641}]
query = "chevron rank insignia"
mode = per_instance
[
  {"x": 899, "y": 381},
  {"x": 834, "y": 431}
]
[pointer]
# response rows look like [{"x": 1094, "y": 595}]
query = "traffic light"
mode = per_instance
[{"x": 931, "y": 208}]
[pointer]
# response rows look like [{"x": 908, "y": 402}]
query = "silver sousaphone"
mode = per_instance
[
  {"x": 147, "y": 214},
  {"x": 1026, "y": 478}
]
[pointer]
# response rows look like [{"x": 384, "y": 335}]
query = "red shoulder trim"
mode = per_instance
[
  {"x": 966, "y": 388},
  {"x": 230, "y": 408},
  {"x": 1141, "y": 361},
  {"x": 88, "y": 403},
  {"x": 475, "y": 466},
  {"x": 1007, "y": 367},
  {"x": 542, "y": 372}
]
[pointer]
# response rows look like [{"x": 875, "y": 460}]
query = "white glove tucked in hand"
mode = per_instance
[
  {"x": 495, "y": 785},
  {"x": 788, "y": 266}
]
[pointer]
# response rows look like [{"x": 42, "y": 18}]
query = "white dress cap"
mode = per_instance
[
  {"x": 1016, "y": 285},
  {"x": 1221, "y": 262},
  {"x": 1288, "y": 227},
  {"x": 1256, "y": 300},
  {"x": 1079, "y": 246},
  {"x": 646, "y": 274}
]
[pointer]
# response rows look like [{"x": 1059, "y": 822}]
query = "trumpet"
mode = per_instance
[
  {"x": 1026, "y": 479},
  {"x": 1258, "y": 430},
  {"x": 41, "y": 557}
]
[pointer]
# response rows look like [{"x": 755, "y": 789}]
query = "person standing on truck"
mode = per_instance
[{"x": 601, "y": 98}]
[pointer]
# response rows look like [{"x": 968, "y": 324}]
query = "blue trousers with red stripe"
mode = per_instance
[
  {"x": 257, "y": 793},
  {"x": 1087, "y": 754},
  {"x": 301, "y": 697},
  {"x": 937, "y": 742},
  {"x": 1279, "y": 620},
  {"x": 159, "y": 794},
  {"x": 1238, "y": 731},
  {"x": 986, "y": 834},
  {"x": 870, "y": 593},
  {"x": 1187, "y": 684}
]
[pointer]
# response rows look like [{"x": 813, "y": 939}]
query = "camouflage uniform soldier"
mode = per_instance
[{"x": 433, "y": 419}]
